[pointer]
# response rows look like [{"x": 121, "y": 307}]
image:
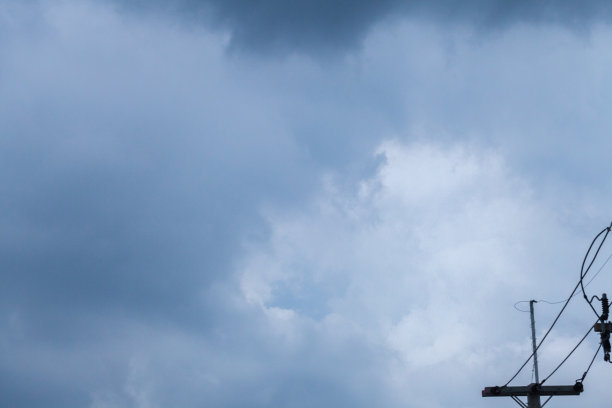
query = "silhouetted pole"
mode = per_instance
[
  {"x": 534, "y": 391},
  {"x": 533, "y": 341}
]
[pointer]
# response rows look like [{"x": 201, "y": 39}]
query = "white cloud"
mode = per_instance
[{"x": 421, "y": 263}]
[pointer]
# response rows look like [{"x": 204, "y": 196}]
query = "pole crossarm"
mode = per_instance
[{"x": 533, "y": 389}]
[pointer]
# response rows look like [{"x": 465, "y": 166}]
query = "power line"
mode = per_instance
[
  {"x": 545, "y": 335},
  {"x": 570, "y": 353},
  {"x": 561, "y": 301},
  {"x": 589, "y": 367},
  {"x": 536, "y": 390},
  {"x": 583, "y": 273}
]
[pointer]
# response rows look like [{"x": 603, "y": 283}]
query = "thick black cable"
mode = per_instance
[
  {"x": 570, "y": 353},
  {"x": 561, "y": 301},
  {"x": 589, "y": 367},
  {"x": 583, "y": 273},
  {"x": 599, "y": 270}
]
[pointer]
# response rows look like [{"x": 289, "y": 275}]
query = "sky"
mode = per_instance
[{"x": 299, "y": 203}]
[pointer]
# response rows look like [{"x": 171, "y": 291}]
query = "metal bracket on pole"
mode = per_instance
[
  {"x": 546, "y": 402},
  {"x": 518, "y": 401}
]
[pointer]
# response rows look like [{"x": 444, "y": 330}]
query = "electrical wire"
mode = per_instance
[
  {"x": 583, "y": 273},
  {"x": 596, "y": 273},
  {"x": 570, "y": 353},
  {"x": 561, "y": 301},
  {"x": 589, "y": 367},
  {"x": 545, "y": 335}
]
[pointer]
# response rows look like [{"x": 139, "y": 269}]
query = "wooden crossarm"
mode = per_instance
[{"x": 533, "y": 389}]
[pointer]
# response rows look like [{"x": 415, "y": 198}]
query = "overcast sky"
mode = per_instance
[{"x": 298, "y": 203}]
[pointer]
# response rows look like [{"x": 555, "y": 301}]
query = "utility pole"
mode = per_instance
[
  {"x": 533, "y": 391},
  {"x": 533, "y": 341}
]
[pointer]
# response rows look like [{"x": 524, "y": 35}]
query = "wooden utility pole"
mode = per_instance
[
  {"x": 533, "y": 391},
  {"x": 533, "y": 342}
]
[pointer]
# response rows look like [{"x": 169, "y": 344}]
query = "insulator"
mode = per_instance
[{"x": 605, "y": 307}]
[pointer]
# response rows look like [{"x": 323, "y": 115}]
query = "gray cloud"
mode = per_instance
[
  {"x": 116, "y": 191},
  {"x": 131, "y": 175},
  {"x": 327, "y": 26}
]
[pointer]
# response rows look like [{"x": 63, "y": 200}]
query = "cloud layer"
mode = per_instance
[
  {"x": 419, "y": 265},
  {"x": 187, "y": 225},
  {"x": 323, "y": 27}
]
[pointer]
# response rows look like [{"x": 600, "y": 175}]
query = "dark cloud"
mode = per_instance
[
  {"x": 322, "y": 26},
  {"x": 119, "y": 195},
  {"x": 133, "y": 167}
]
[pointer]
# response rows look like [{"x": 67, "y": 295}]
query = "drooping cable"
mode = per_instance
[
  {"x": 597, "y": 273},
  {"x": 561, "y": 301},
  {"x": 583, "y": 272}
]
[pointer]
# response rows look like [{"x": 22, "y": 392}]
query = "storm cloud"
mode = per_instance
[{"x": 325, "y": 27}]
